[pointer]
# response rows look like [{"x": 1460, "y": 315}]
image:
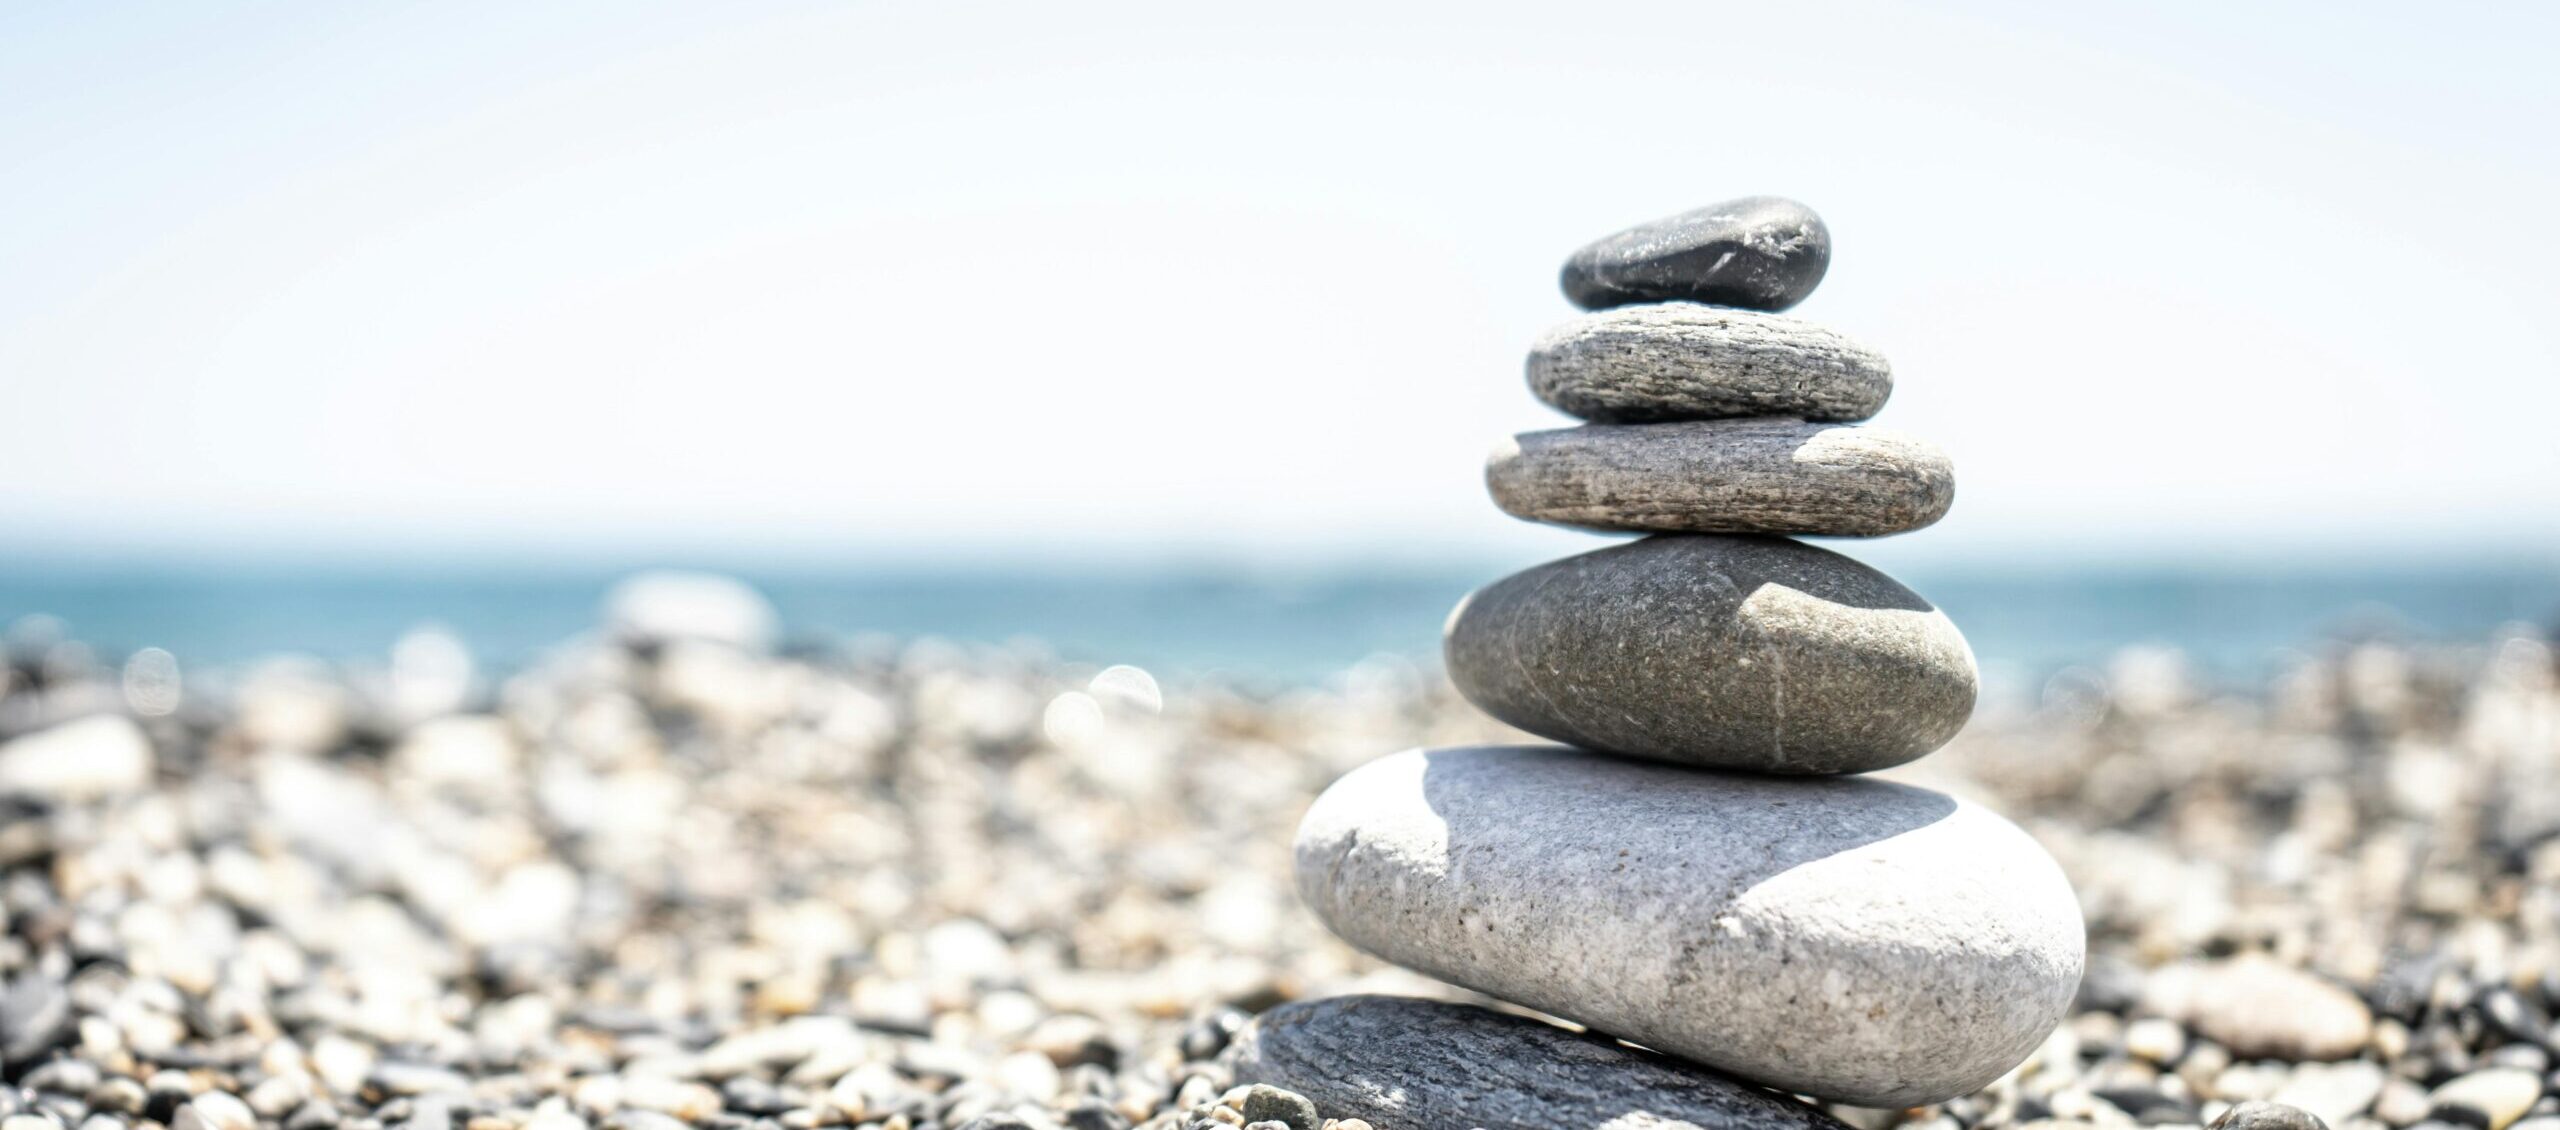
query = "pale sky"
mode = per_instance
[{"x": 1021, "y": 281}]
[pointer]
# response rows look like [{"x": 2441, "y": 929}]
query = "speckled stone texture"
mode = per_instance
[
  {"x": 1724, "y": 477},
  {"x": 1729, "y": 652},
  {"x": 1758, "y": 252},
  {"x": 1404, "y": 1064},
  {"x": 1684, "y": 361},
  {"x": 1845, "y": 938}
]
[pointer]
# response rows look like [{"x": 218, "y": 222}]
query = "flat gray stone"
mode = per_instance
[
  {"x": 1724, "y": 477},
  {"x": 2268, "y": 1116},
  {"x": 35, "y": 1016},
  {"x": 1404, "y": 1064},
  {"x": 1846, "y": 938},
  {"x": 1758, "y": 252},
  {"x": 1683, "y": 361},
  {"x": 1739, "y": 653}
]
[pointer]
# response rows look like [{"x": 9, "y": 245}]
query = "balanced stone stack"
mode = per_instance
[{"x": 1695, "y": 870}]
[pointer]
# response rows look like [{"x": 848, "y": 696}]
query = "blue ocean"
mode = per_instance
[{"x": 1266, "y": 629}]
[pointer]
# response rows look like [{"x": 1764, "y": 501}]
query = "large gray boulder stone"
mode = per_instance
[
  {"x": 1724, "y": 477},
  {"x": 1739, "y": 653},
  {"x": 1846, "y": 938},
  {"x": 1404, "y": 1064}
]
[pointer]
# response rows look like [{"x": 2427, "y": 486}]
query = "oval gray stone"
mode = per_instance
[
  {"x": 1405, "y": 1064},
  {"x": 1683, "y": 361},
  {"x": 1846, "y": 938},
  {"x": 1738, "y": 653},
  {"x": 1758, "y": 252},
  {"x": 1724, "y": 477}
]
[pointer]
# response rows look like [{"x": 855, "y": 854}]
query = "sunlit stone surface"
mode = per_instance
[{"x": 1845, "y": 938}]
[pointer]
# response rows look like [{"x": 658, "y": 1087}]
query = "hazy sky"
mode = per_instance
[{"x": 1015, "y": 282}]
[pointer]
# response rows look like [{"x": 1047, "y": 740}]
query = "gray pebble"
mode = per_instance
[
  {"x": 2262, "y": 1009},
  {"x": 1825, "y": 936},
  {"x": 120, "y": 1095},
  {"x": 1682, "y": 361},
  {"x": 65, "y": 1077},
  {"x": 1740, "y": 653},
  {"x": 643, "y": 1120},
  {"x": 753, "y": 1096},
  {"x": 1402, "y": 1064},
  {"x": 35, "y": 1016},
  {"x": 1208, "y": 1036},
  {"x": 1760, "y": 252},
  {"x": 1266, "y": 1103},
  {"x": 1724, "y": 477},
  {"x": 416, "y": 1079},
  {"x": 1095, "y": 1115},
  {"x": 2268, "y": 1116},
  {"x": 215, "y": 1110},
  {"x": 2523, "y": 1057},
  {"x": 2511, "y": 1016},
  {"x": 318, "y": 1114},
  {"x": 2146, "y": 1103}
]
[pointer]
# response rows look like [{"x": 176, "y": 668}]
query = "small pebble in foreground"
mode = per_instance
[
  {"x": 1758, "y": 253},
  {"x": 1724, "y": 477},
  {"x": 1760, "y": 654},
  {"x": 1682, "y": 361},
  {"x": 2268, "y": 1116},
  {"x": 1844, "y": 938},
  {"x": 1403, "y": 1064}
]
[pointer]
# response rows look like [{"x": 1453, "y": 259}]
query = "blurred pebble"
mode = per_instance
[
  {"x": 2267, "y": 1116},
  {"x": 2262, "y": 1009},
  {"x": 2490, "y": 1099}
]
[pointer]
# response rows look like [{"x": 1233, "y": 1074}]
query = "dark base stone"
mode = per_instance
[{"x": 1405, "y": 1064}]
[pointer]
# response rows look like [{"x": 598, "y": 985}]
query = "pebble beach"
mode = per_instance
[{"x": 676, "y": 873}]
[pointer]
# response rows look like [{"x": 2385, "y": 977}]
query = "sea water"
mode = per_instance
[{"x": 1257, "y": 627}]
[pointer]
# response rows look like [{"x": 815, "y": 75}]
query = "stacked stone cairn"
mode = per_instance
[{"x": 1697, "y": 869}]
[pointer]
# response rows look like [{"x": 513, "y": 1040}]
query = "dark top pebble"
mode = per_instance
[{"x": 1757, "y": 253}]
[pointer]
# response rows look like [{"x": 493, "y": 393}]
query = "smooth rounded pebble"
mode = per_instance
[
  {"x": 669, "y": 606},
  {"x": 1731, "y": 652},
  {"x": 1683, "y": 361},
  {"x": 2268, "y": 1116},
  {"x": 1849, "y": 939},
  {"x": 1758, "y": 252},
  {"x": 1724, "y": 477},
  {"x": 2491, "y": 1099},
  {"x": 85, "y": 759},
  {"x": 1404, "y": 1064},
  {"x": 2261, "y": 1008}
]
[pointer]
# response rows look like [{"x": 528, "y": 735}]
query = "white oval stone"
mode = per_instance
[
  {"x": 667, "y": 606},
  {"x": 1850, "y": 939}
]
